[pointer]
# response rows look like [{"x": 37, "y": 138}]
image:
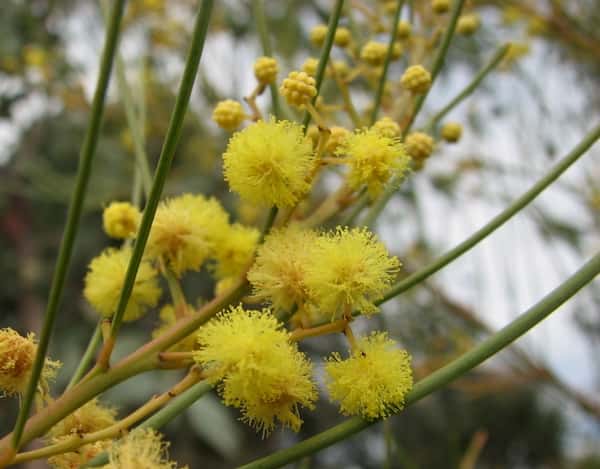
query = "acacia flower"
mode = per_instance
[
  {"x": 279, "y": 272},
  {"x": 298, "y": 89},
  {"x": 167, "y": 319},
  {"x": 142, "y": 448},
  {"x": 373, "y": 52},
  {"x": 268, "y": 163},
  {"x": 234, "y": 249},
  {"x": 373, "y": 381},
  {"x": 416, "y": 79},
  {"x": 317, "y": 34},
  {"x": 88, "y": 418},
  {"x": 372, "y": 158},
  {"x": 451, "y": 132},
  {"x": 121, "y": 220},
  {"x": 350, "y": 270},
  {"x": 387, "y": 127},
  {"x": 260, "y": 371},
  {"x": 17, "y": 354},
  {"x": 265, "y": 70},
  {"x": 82, "y": 455},
  {"x": 104, "y": 282},
  {"x": 228, "y": 114},
  {"x": 184, "y": 231}
]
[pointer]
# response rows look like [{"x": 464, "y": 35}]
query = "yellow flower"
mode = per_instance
[
  {"x": 387, "y": 127},
  {"x": 310, "y": 66},
  {"x": 419, "y": 146},
  {"x": 234, "y": 250},
  {"x": 374, "y": 381},
  {"x": 373, "y": 53},
  {"x": 17, "y": 354},
  {"x": 451, "y": 132},
  {"x": 340, "y": 68},
  {"x": 278, "y": 274},
  {"x": 416, "y": 79},
  {"x": 121, "y": 220},
  {"x": 317, "y": 34},
  {"x": 342, "y": 37},
  {"x": 404, "y": 29},
  {"x": 298, "y": 89},
  {"x": 260, "y": 371},
  {"x": 104, "y": 282},
  {"x": 440, "y": 6},
  {"x": 228, "y": 114},
  {"x": 265, "y": 70},
  {"x": 89, "y": 418},
  {"x": 337, "y": 137},
  {"x": 142, "y": 448},
  {"x": 268, "y": 163},
  {"x": 167, "y": 319},
  {"x": 373, "y": 158},
  {"x": 467, "y": 24},
  {"x": 350, "y": 270},
  {"x": 184, "y": 231}
]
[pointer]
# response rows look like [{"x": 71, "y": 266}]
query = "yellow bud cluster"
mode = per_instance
[
  {"x": 387, "y": 127},
  {"x": 310, "y": 66},
  {"x": 298, "y": 88},
  {"x": 342, "y": 37},
  {"x": 229, "y": 114},
  {"x": 317, "y": 35},
  {"x": 121, "y": 220},
  {"x": 467, "y": 24},
  {"x": 416, "y": 79},
  {"x": 373, "y": 53},
  {"x": 419, "y": 146},
  {"x": 440, "y": 6},
  {"x": 336, "y": 138},
  {"x": 451, "y": 132},
  {"x": 265, "y": 70},
  {"x": 404, "y": 29}
]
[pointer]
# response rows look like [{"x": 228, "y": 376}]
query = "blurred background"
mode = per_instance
[{"x": 533, "y": 406}]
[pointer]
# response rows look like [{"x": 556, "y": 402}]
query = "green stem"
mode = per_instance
[
  {"x": 498, "y": 220},
  {"x": 88, "y": 356},
  {"x": 272, "y": 215},
  {"x": 446, "y": 374},
  {"x": 325, "y": 51},
  {"x": 258, "y": 9},
  {"x": 438, "y": 62},
  {"x": 477, "y": 79},
  {"x": 386, "y": 63},
  {"x": 353, "y": 214},
  {"x": 88, "y": 150},
  {"x": 164, "y": 163}
]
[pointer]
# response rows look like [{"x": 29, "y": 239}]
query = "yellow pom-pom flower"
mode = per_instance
[
  {"x": 373, "y": 158},
  {"x": 416, "y": 79},
  {"x": 121, "y": 220},
  {"x": 350, "y": 270},
  {"x": 373, "y": 381},
  {"x": 373, "y": 53},
  {"x": 419, "y": 146},
  {"x": 317, "y": 34},
  {"x": 229, "y": 114},
  {"x": 404, "y": 29},
  {"x": 387, "y": 127},
  {"x": 440, "y": 6},
  {"x": 269, "y": 162},
  {"x": 260, "y": 371},
  {"x": 265, "y": 70},
  {"x": 184, "y": 231},
  {"x": 298, "y": 88},
  {"x": 17, "y": 354},
  {"x": 336, "y": 138},
  {"x": 342, "y": 37},
  {"x": 310, "y": 66},
  {"x": 467, "y": 24},
  {"x": 234, "y": 250},
  {"x": 142, "y": 448},
  {"x": 279, "y": 272},
  {"x": 104, "y": 282},
  {"x": 451, "y": 132}
]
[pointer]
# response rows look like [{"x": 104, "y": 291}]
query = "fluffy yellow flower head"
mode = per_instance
[
  {"x": 451, "y": 132},
  {"x": 260, "y": 371},
  {"x": 121, "y": 220},
  {"x": 142, "y": 448},
  {"x": 265, "y": 70},
  {"x": 416, "y": 79},
  {"x": 467, "y": 24},
  {"x": 351, "y": 270},
  {"x": 387, "y": 127},
  {"x": 374, "y": 381},
  {"x": 228, "y": 114},
  {"x": 89, "y": 418},
  {"x": 372, "y": 159},
  {"x": 279, "y": 272},
  {"x": 268, "y": 163},
  {"x": 17, "y": 354},
  {"x": 234, "y": 250},
  {"x": 104, "y": 282},
  {"x": 184, "y": 230},
  {"x": 317, "y": 34},
  {"x": 373, "y": 53},
  {"x": 298, "y": 89},
  {"x": 310, "y": 66}
]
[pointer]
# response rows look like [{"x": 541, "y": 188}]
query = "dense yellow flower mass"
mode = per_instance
[
  {"x": 17, "y": 354},
  {"x": 234, "y": 249},
  {"x": 279, "y": 272},
  {"x": 269, "y": 163},
  {"x": 373, "y": 381},
  {"x": 373, "y": 158},
  {"x": 260, "y": 371},
  {"x": 350, "y": 270},
  {"x": 142, "y": 448},
  {"x": 104, "y": 282},
  {"x": 121, "y": 220},
  {"x": 184, "y": 231}
]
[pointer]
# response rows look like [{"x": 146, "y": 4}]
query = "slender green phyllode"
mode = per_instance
[
  {"x": 498, "y": 220},
  {"x": 166, "y": 157},
  {"x": 88, "y": 150},
  {"x": 446, "y": 374}
]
